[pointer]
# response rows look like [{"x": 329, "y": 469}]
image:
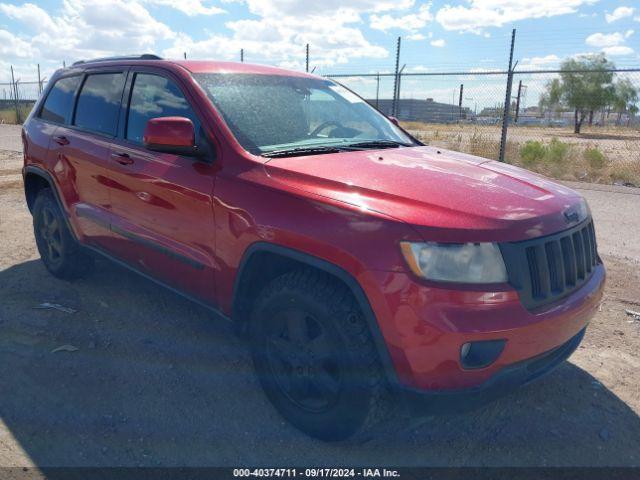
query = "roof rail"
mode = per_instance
[{"x": 145, "y": 56}]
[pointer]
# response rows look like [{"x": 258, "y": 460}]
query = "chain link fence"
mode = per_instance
[
  {"x": 582, "y": 125},
  {"x": 569, "y": 124},
  {"x": 573, "y": 125},
  {"x": 17, "y": 98}
]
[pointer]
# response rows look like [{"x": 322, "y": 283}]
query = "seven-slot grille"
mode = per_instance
[{"x": 548, "y": 268}]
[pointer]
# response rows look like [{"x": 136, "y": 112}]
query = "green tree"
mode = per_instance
[
  {"x": 625, "y": 97},
  {"x": 551, "y": 98},
  {"x": 585, "y": 86}
]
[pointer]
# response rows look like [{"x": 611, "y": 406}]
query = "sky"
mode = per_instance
[{"x": 345, "y": 36}]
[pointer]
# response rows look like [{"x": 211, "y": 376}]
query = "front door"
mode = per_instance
[{"x": 162, "y": 214}]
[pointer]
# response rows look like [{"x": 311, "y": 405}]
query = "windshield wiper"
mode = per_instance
[
  {"x": 313, "y": 150},
  {"x": 300, "y": 151},
  {"x": 376, "y": 144}
]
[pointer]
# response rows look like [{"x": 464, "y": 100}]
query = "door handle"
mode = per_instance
[
  {"x": 122, "y": 158},
  {"x": 61, "y": 140}
]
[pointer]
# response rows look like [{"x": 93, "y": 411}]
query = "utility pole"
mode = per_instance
[
  {"x": 39, "y": 82},
  {"x": 242, "y": 55},
  {"x": 377, "y": 90},
  {"x": 307, "y": 61},
  {"x": 15, "y": 95},
  {"x": 396, "y": 80},
  {"x": 399, "y": 87},
  {"x": 185, "y": 55},
  {"x": 507, "y": 101},
  {"x": 515, "y": 118},
  {"x": 460, "y": 102}
]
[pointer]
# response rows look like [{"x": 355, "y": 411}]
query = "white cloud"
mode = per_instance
[
  {"x": 601, "y": 40},
  {"x": 14, "y": 47},
  {"x": 30, "y": 15},
  {"x": 409, "y": 22},
  {"x": 611, "y": 44},
  {"x": 283, "y": 27},
  {"x": 496, "y": 13},
  {"x": 191, "y": 8},
  {"x": 88, "y": 28},
  {"x": 538, "y": 63},
  {"x": 282, "y": 40},
  {"x": 416, "y": 37},
  {"x": 619, "y": 13},
  {"x": 438, "y": 43},
  {"x": 296, "y": 8},
  {"x": 618, "y": 51}
]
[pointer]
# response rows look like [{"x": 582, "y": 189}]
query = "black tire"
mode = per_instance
[
  {"x": 61, "y": 254},
  {"x": 315, "y": 357}
]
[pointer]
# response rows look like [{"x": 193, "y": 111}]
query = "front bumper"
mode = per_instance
[
  {"x": 501, "y": 384},
  {"x": 423, "y": 328}
]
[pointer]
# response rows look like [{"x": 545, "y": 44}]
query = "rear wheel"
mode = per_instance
[
  {"x": 59, "y": 251},
  {"x": 315, "y": 358}
]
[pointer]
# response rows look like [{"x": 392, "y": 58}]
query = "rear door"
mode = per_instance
[
  {"x": 55, "y": 110},
  {"x": 162, "y": 206},
  {"x": 83, "y": 151}
]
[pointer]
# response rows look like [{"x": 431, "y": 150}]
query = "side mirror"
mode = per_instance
[
  {"x": 394, "y": 120},
  {"x": 170, "y": 135}
]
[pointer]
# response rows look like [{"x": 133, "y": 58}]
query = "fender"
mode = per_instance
[
  {"x": 46, "y": 176},
  {"x": 336, "y": 271}
]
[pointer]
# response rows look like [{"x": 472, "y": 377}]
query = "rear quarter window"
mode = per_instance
[
  {"x": 57, "y": 106},
  {"x": 99, "y": 103}
]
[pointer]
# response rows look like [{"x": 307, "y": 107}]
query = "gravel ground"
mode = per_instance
[
  {"x": 156, "y": 382},
  {"x": 10, "y": 138}
]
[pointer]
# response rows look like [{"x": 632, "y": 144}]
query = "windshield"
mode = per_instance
[{"x": 274, "y": 113}]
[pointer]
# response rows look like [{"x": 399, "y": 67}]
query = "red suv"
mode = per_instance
[{"x": 371, "y": 273}]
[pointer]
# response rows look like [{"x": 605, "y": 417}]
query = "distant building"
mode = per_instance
[
  {"x": 7, "y": 104},
  {"x": 428, "y": 111},
  {"x": 533, "y": 111},
  {"x": 492, "y": 112}
]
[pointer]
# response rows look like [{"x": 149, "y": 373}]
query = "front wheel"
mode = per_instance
[{"x": 315, "y": 358}]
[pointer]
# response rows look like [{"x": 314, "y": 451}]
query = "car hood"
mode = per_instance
[{"x": 446, "y": 196}]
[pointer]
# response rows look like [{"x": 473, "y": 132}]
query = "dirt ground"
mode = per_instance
[{"x": 155, "y": 382}]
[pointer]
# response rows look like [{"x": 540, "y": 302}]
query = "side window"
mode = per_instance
[
  {"x": 99, "y": 102},
  {"x": 155, "y": 96},
  {"x": 57, "y": 106}
]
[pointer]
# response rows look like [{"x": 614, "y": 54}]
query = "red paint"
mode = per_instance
[
  {"x": 350, "y": 209},
  {"x": 169, "y": 131}
]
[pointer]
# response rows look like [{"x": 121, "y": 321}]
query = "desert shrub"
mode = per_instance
[
  {"x": 557, "y": 151},
  {"x": 482, "y": 146},
  {"x": 595, "y": 158},
  {"x": 627, "y": 173},
  {"x": 532, "y": 153}
]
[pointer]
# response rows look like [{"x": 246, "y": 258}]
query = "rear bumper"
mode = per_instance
[{"x": 501, "y": 384}]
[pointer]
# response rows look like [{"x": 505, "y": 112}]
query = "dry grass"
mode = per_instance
[
  {"x": 9, "y": 115},
  {"x": 603, "y": 155}
]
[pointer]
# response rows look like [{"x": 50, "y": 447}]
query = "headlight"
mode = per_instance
[{"x": 461, "y": 262}]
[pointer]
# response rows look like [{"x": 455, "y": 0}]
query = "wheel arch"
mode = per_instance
[
  {"x": 36, "y": 179},
  {"x": 263, "y": 261}
]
